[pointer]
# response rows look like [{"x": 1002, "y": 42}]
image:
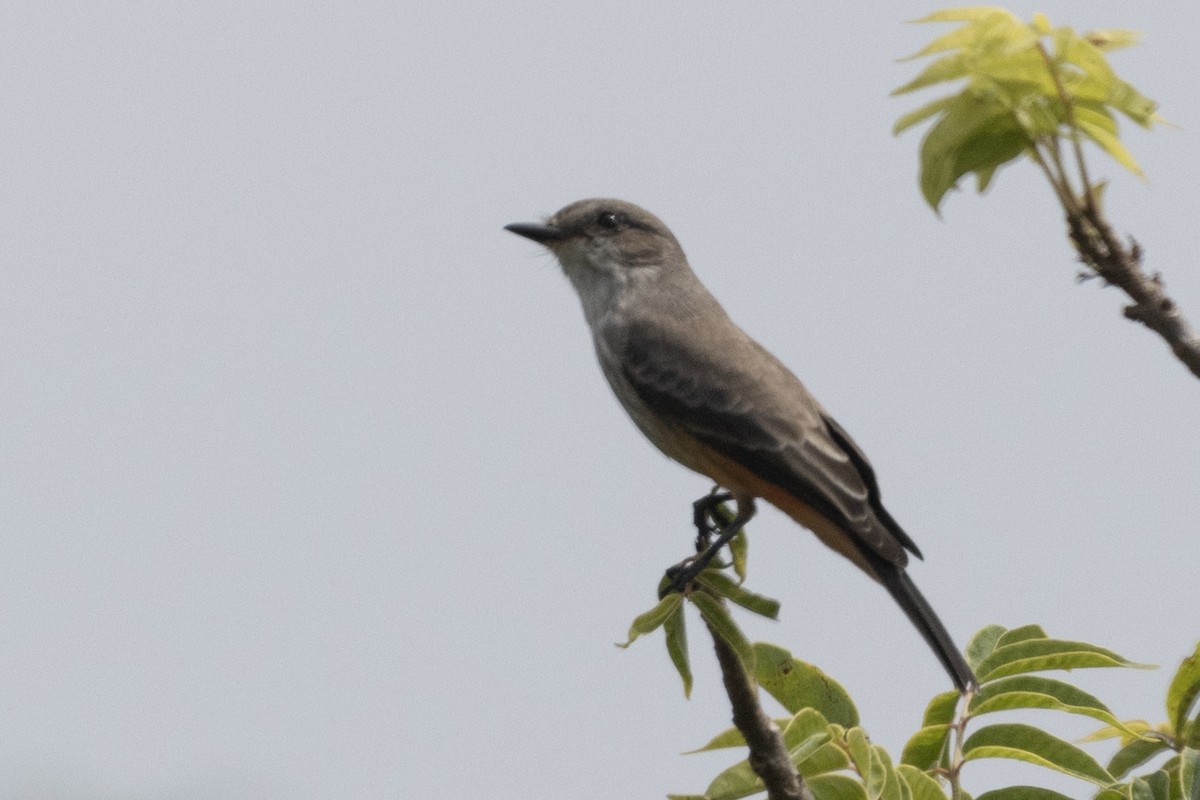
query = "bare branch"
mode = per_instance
[
  {"x": 1102, "y": 251},
  {"x": 768, "y": 754},
  {"x": 1121, "y": 266}
]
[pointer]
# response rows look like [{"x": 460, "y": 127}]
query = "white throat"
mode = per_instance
[{"x": 604, "y": 285}]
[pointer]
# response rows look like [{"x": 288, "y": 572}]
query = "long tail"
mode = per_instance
[{"x": 905, "y": 592}]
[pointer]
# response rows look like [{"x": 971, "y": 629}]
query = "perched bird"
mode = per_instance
[{"x": 716, "y": 401}]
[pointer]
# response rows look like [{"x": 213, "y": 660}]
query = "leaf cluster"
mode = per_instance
[
  {"x": 712, "y": 584},
  {"x": 834, "y": 754},
  {"x": 1007, "y": 663},
  {"x": 1178, "y": 737},
  {"x": 1027, "y": 86}
]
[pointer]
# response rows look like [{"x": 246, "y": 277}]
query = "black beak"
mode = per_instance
[{"x": 541, "y": 234}]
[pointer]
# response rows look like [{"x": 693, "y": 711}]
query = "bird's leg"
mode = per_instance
[
  {"x": 685, "y": 572},
  {"x": 704, "y": 516}
]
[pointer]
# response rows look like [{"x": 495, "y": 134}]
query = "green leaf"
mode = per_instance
[
  {"x": 1110, "y": 144},
  {"x": 1183, "y": 691},
  {"x": 1035, "y": 691},
  {"x": 859, "y": 747},
  {"x": 719, "y": 619},
  {"x": 983, "y": 177},
  {"x": 829, "y": 757},
  {"x": 965, "y": 14},
  {"x": 957, "y": 39},
  {"x": 798, "y": 685},
  {"x": 1189, "y": 774},
  {"x": 675, "y": 628},
  {"x": 920, "y": 784},
  {"x": 1039, "y": 118},
  {"x": 1139, "y": 727},
  {"x": 987, "y": 27},
  {"x": 1035, "y": 655},
  {"x": 1132, "y": 103},
  {"x": 982, "y": 644},
  {"x": 798, "y": 731},
  {"x": 926, "y": 748},
  {"x": 804, "y": 723},
  {"x": 721, "y": 513},
  {"x": 983, "y": 154},
  {"x": 1041, "y": 24},
  {"x": 946, "y": 68},
  {"x": 882, "y": 782},
  {"x": 733, "y": 783},
  {"x": 1095, "y": 113},
  {"x": 652, "y": 619},
  {"x": 1078, "y": 51},
  {"x": 815, "y": 751},
  {"x": 807, "y": 748},
  {"x": 730, "y": 737},
  {"x": 906, "y": 121},
  {"x": 974, "y": 133},
  {"x": 1100, "y": 82},
  {"x": 806, "y": 733},
  {"x": 1034, "y": 746},
  {"x": 1098, "y": 190},
  {"x": 941, "y": 708},
  {"x": 1113, "y": 38},
  {"x": 1017, "y": 73},
  {"x": 726, "y": 587},
  {"x": 1155, "y": 786},
  {"x": 739, "y": 549},
  {"x": 1134, "y": 754},
  {"x": 1022, "y": 634},
  {"x": 834, "y": 786},
  {"x": 810, "y": 742},
  {"x": 1022, "y": 793}
]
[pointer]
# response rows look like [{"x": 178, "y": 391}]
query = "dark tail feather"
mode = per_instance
[{"x": 905, "y": 592}]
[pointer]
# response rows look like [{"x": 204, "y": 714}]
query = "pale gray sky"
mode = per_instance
[{"x": 311, "y": 487}]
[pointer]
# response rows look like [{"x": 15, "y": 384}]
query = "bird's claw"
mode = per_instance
[
  {"x": 679, "y": 576},
  {"x": 704, "y": 517}
]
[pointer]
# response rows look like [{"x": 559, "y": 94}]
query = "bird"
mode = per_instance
[{"x": 713, "y": 399}]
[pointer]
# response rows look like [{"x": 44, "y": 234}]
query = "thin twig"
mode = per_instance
[
  {"x": 1066, "y": 191},
  {"x": 1065, "y": 199},
  {"x": 1101, "y": 250},
  {"x": 1069, "y": 113},
  {"x": 768, "y": 754},
  {"x": 1121, "y": 266},
  {"x": 959, "y": 731}
]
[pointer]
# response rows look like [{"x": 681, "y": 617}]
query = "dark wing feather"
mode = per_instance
[
  {"x": 868, "y": 474},
  {"x": 738, "y": 399}
]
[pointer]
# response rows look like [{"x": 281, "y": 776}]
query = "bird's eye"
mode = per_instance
[{"x": 607, "y": 219}]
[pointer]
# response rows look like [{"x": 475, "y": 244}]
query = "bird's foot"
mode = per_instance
[
  {"x": 709, "y": 518},
  {"x": 679, "y": 576}
]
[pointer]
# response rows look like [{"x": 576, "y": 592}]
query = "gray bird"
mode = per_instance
[{"x": 716, "y": 401}]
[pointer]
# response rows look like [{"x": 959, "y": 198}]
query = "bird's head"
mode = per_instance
[{"x": 610, "y": 237}]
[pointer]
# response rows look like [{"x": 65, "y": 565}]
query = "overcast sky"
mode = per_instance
[{"x": 311, "y": 487}]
